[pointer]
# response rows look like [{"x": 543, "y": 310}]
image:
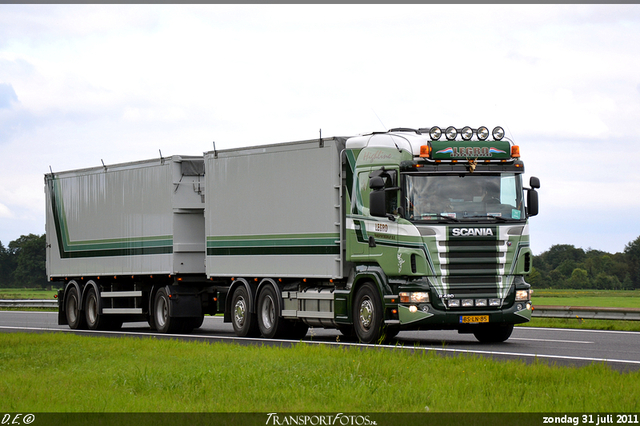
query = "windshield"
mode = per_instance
[{"x": 464, "y": 197}]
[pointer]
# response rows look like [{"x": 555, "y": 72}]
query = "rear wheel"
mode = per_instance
[
  {"x": 72, "y": 310},
  {"x": 244, "y": 322},
  {"x": 162, "y": 315},
  {"x": 271, "y": 324},
  {"x": 493, "y": 333}
]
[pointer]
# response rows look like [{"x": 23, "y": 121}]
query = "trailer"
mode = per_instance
[{"x": 370, "y": 235}]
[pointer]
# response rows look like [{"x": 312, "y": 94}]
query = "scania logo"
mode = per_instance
[{"x": 472, "y": 232}]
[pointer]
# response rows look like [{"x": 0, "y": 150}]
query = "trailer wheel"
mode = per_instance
[
  {"x": 493, "y": 333},
  {"x": 367, "y": 314},
  {"x": 95, "y": 321},
  {"x": 72, "y": 305},
  {"x": 161, "y": 316},
  {"x": 270, "y": 323},
  {"x": 244, "y": 322}
]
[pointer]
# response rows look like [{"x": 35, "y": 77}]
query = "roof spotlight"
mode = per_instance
[
  {"x": 467, "y": 133},
  {"x": 451, "y": 133},
  {"x": 498, "y": 133},
  {"x": 483, "y": 133},
  {"x": 435, "y": 132}
]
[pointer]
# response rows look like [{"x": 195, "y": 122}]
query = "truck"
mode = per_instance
[{"x": 407, "y": 229}]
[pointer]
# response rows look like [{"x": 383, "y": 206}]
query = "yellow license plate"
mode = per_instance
[{"x": 472, "y": 319}]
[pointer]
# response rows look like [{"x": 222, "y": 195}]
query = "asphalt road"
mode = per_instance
[{"x": 618, "y": 349}]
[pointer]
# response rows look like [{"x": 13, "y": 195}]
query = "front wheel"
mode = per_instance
[
  {"x": 368, "y": 320},
  {"x": 493, "y": 333}
]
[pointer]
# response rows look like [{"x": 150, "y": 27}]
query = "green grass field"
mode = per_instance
[
  {"x": 27, "y": 293},
  {"x": 597, "y": 298},
  {"x": 69, "y": 373}
]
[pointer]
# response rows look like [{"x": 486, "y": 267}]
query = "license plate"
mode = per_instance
[{"x": 473, "y": 319}]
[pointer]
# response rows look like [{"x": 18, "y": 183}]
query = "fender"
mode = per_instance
[
  {"x": 270, "y": 282},
  {"x": 251, "y": 291}
]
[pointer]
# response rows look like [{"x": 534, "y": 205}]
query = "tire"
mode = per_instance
[
  {"x": 72, "y": 303},
  {"x": 243, "y": 321},
  {"x": 95, "y": 320},
  {"x": 493, "y": 333},
  {"x": 368, "y": 321},
  {"x": 270, "y": 323},
  {"x": 162, "y": 319}
]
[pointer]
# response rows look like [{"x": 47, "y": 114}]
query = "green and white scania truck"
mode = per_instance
[{"x": 409, "y": 229}]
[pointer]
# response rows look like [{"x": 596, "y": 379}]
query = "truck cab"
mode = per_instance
[{"x": 442, "y": 216}]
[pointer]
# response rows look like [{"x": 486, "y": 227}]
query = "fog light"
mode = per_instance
[
  {"x": 413, "y": 309},
  {"x": 482, "y": 133},
  {"x": 481, "y": 302},
  {"x": 494, "y": 302},
  {"x": 467, "y": 133},
  {"x": 466, "y": 303},
  {"x": 454, "y": 303},
  {"x": 424, "y": 308},
  {"x": 451, "y": 133},
  {"x": 519, "y": 307}
]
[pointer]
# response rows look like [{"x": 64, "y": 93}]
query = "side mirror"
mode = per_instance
[
  {"x": 534, "y": 182},
  {"x": 378, "y": 203},
  {"x": 376, "y": 183},
  {"x": 532, "y": 202}
]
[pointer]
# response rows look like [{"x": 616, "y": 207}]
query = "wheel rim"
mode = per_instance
[
  {"x": 366, "y": 312},
  {"x": 239, "y": 311},
  {"x": 268, "y": 312},
  {"x": 162, "y": 312}
]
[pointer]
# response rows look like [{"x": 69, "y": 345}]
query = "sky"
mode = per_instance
[{"x": 86, "y": 84}]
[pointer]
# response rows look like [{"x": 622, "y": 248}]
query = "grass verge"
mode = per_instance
[{"x": 69, "y": 373}]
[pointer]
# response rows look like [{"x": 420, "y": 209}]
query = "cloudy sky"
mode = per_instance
[{"x": 81, "y": 84}]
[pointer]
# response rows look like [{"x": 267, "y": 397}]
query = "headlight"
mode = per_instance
[
  {"x": 417, "y": 297},
  {"x": 494, "y": 302},
  {"x": 467, "y": 303},
  {"x": 435, "y": 133},
  {"x": 498, "y": 133},
  {"x": 522, "y": 295}
]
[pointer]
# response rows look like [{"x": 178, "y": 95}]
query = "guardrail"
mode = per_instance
[
  {"x": 17, "y": 303},
  {"x": 583, "y": 312}
]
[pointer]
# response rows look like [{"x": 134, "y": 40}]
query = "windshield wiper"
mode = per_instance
[
  {"x": 488, "y": 216},
  {"x": 438, "y": 216}
]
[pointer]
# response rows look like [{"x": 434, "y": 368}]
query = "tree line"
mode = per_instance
[{"x": 23, "y": 264}]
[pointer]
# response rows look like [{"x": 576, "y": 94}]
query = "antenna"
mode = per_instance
[
  {"x": 105, "y": 167},
  {"x": 321, "y": 141},
  {"x": 161, "y": 157},
  {"x": 383, "y": 126},
  {"x": 50, "y": 169},
  {"x": 215, "y": 152}
]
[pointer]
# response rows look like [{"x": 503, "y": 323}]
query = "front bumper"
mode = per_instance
[{"x": 425, "y": 316}]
